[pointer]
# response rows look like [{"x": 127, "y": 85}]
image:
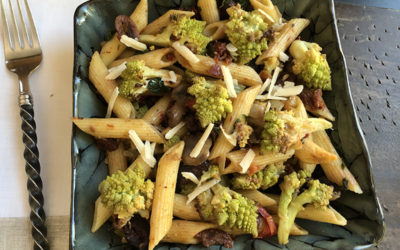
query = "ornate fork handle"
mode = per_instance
[{"x": 32, "y": 169}]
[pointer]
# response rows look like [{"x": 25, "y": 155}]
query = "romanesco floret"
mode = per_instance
[
  {"x": 228, "y": 208},
  {"x": 310, "y": 65},
  {"x": 140, "y": 110},
  {"x": 245, "y": 31},
  {"x": 263, "y": 179},
  {"x": 183, "y": 29},
  {"x": 171, "y": 142},
  {"x": 273, "y": 136},
  {"x": 212, "y": 101},
  {"x": 317, "y": 194},
  {"x": 211, "y": 173},
  {"x": 243, "y": 132},
  {"x": 127, "y": 193},
  {"x": 134, "y": 78}
]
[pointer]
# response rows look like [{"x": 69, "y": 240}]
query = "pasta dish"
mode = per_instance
[{"x": 216, "y": 126}]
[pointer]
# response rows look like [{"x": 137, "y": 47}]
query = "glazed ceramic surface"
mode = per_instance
[{"x": 94, "y": 23}]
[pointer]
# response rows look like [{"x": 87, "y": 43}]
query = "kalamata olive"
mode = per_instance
[{"x": 125, "y": 26}]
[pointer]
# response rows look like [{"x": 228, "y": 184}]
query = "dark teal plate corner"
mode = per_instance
[{"x": 93, "y": 22}]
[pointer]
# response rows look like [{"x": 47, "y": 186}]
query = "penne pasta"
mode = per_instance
[
  {"x": 268, "y": 7},
  {"x": 310, "y": 212},
  {"x": 156, "y": 59},
  {"x": 101, "y": 215},
  {"x": 244, "y": 74},
  {"x": 164, "y": 192},
  {"x": 183, "y": 210},
  {"x": 259, "y": 197},
  {"x": 157, "y": 112},
  {"x": 313, "y": 154},
  {"x": 240, "y": 106},
  {"x": 215, "y": 30},
  {"x": 288, "y": 34},
  {"x": 118, "y": 128},
  {"x": 116, "y": 160},
  {"x": 113, "y": 48},
  {"x": 208, "y": 10},
  {"x": 98, "y": 71},
  {"x": 336, "y": 171},
  {"x": 184, "y": 232},
  {"x": 295, "y": 230},
  {"x": 157, "y": 25}
]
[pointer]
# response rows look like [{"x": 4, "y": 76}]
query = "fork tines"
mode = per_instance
[{"x": 19, "y": 30}]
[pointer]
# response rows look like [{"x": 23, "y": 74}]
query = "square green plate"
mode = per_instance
[{"x": 94, "y": 21}]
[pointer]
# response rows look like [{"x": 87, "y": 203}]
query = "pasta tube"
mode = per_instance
[
  {"x": 183, "y": 211},
  {"x": 157, "y": 25},
  {"x": 208, "y": 10},
  {"x": 241, "y": 106},
  {"x": 98, "y": 71},
  {"x": 336, "y": 171},
  {"x": 268, "y": 7},
  {"x": 113, "y": 48},
  {"x": 215, "y": 30},
  {"x": 314, "y": 154},
  {"x": 244, "y": 74},
  {"x": 157, "y": 112},
  {"x": 116, "y": 160},
  {"x": 164, "y": 192},
  {"x": 259, "y": 197},
  {"x": 289, "y": 33},
  {"x": 155, "y": 59},
  {"x": 118, "y": 128},
  {"x": 101, "y": 215}
]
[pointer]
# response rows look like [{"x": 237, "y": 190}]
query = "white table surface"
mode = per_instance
[{"x": 51, "y": 86}]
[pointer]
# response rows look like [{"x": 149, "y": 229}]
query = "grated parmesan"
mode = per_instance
[
  {"x": 228, "y": 81},
  {"x": 190, "y": 176},
  {"x": 136, "y": 140},
  {"x": 283, "y": 57},
  {"x": 197, "y": 149},
  {"x": 265, "y": 86},
  {"x": 273, "y": 81},
  {"x": 277, "y": 105},
  {"x": 174, "y": 130},
  {"x": 232, "y": 49},
  {"x": 247, "y": 160},
  {"x": 111, "y": 103},
  {"x": 289, "y": 91},
  {"x": 266, "y": 15},
  {"x": 266, "y": 97},
  {"x": 268, "y": 107},
  {"x": 145, "y": 149},
  {"x": 288, "y": 84},
  {"x": 230, "y": 138},
  {"x": 185, "y": 52},
  {"x": 200, "y": 189},
  {"x": 115, "y": 72},
  {"x": 133, "y": 43}
]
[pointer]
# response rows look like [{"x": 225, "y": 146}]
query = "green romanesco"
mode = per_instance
[
  {"x": 290, "y": 203},
  {"x": 273, "y": 135},
  {"x": 211, "y": 173},
  {"x": 263, "y": 179},
  {"x": 184, "y": 29},
  {"x": 310, "y": 65},
  {"x": 127, "y": 193},
  {"x": 246, "y": 31},
  {"x": 228, "y": 208},
  {"x": 171, "y": 142},
  {"x": 140, "y": 110},
  {"x": 134, "y": 78},
  {"x": 212, "y": 101},
  {"x": 243, "y": 131}
]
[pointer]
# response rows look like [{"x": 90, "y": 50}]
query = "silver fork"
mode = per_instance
[{"x": 22, "y": 56}]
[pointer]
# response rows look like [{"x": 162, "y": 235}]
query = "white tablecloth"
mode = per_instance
[{"x": 51, "y": 86}]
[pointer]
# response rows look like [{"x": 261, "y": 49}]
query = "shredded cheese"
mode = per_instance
[
  {"x": 266, "y": 97},
  {"x": 174, "y": 130},
  {"x": 200, "y": 189},
  {"x": 265, "y": 86},
  {"x": 133, "y": 43},
  {"x": 228, "y": 81},
  {"x": 283, "y": 57},
  {"x": 268, "y": 107},
  {"x": 111, "y": 103},
  {"x": 185, "y": 52},
  {"x": 115, "y": 72},
  {"x": 273, "y": 81},
  {"x": 247, "y": 160},
  {"x": 232, "y": 49},
  {"x": 288, "y": 84},
  {"x": 230, "y": 138},
  {"x": 190, "y": 176},
  {"x": 148, "y": 156},
  {"x": 136, "y": 140},
  {"x": 153, "y": 147},
  {"x": 289, "y": 91},
  {"x": 197, "y": 149},
  {"x": 266, "y": 15},
  {"x": 277, "y": 105}
]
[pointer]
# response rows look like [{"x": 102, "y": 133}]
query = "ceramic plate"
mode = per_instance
[{"x": 94, "y": 22}]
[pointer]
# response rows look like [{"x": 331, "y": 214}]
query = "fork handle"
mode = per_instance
[{"x": 34, "y": 184}]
